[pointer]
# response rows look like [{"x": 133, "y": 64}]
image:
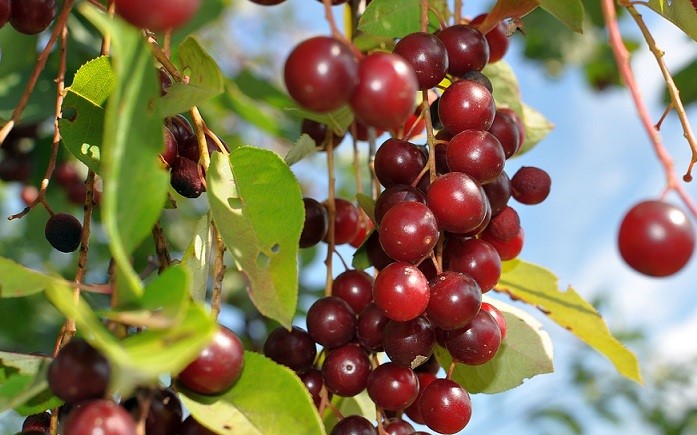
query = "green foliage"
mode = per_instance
[
  {"x": 135, "y": 183},
  {"x": 257, "y": 207},
  {"x": 538, "y": 287},
  {"x": 397, "y": 18},
  {"x": 245, "y": 408},
  {"x": 196, "y": 258},
  {"x": 17, "y": 280},
  {"x": 83, "y": 108},
  {"x": 24, "y": 385},
  {"x": 682, "y": 13},
  {"x": 204, "y": 79},
  {"x": 360, "y": 404},
  {"x": 569, "y": 12},
  {"x": 525, "y": 352}
]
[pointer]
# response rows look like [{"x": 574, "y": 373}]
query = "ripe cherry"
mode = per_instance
[
  {"x": 345, "y": 370},
  {"x": 530, "y": 185},
  {"x": 457, "y": 201},
  {"x": 331, "y": 322},
  {"x": 427, "y": 55},
  {"x": 32, "y": 16},
  {"x": 157, "y": 15},
  {"x": 386, "y": 91},
  {"x": 354, "y": 425},
  {"x": 398, "y": 162},
  {"x": 477, "y": 342},
  {"x": 395, "y": 195},
  {"x": 100, "y": 417},
  {"x": 321, "y": 73},
  {"x": 498, "y": 316},
  {"x": 409, "y": 343},
  {"x": 315, "y": 225},
  {"x": 393, "y": 387},
  {"x": 455, "y": 300},
  {"x": 467, "y": 48},
  {"x": 79, "y": 372},
  {"x": 63, "y": 231},
  {"x": 466, "y": 105},
  {"x": 4, "y": 12},
  {"x": 408, "y": 231},
  {"x": 345, "y": 221},
  {"x": 355, "y": 287},
  {"x": 476, "y": 258},
  {"x": 656, "y": 238},
  {"x": 217, "y": 367},
  {"x": 401, "y": 291},
  {"x": 294, "y": 349},
  {"x": 477, "y": 153},
  {"x": 164, "y": 410},
  {"x": 497, "y": 38},
  {"x": 445, "y": 406}
]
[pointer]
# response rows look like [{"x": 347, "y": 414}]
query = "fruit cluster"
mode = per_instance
[
  {"x": 438, "y": 231},
  {"x": 29, "y": 17},
  {"x": 80, "y": 375}
]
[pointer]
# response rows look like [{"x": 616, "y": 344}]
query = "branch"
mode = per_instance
[{"x": 622, "y": 57}]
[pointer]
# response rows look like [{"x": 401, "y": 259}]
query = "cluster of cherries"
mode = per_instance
[
  {"x": 441, "y": 229},
  {"x": 80, "y": 375},
  {"x": 29, "y": 17}
]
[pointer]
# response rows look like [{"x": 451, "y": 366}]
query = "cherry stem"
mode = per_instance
[
  {"x": 622, "y": 58},
  {"x": 204, "y": 158},
  {"x": 331, "y": 212},
  {"x": 329, "y": 15},
  {"x": 38, "y": 68},
  {"x": 424, "y": 15},
  {"x": 458, "y": 11},
  {"x": 451, "y": 369},
  {"x": 218, "y": 273},
  {"x": 673, "y": 91},
  {"x": 357, "y": 166},
  {"x": 164, "y": 60}
]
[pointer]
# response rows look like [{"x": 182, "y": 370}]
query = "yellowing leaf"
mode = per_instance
[
  {"x": 537, "y": 286},
  {"x": 682, "y": 13}
]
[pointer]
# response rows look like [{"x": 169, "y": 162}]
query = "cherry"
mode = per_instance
[
  {"x": 395, "y": 195},
  {"x": 530, "y": 185},
  {"x": 497, "y": 38},
  {"x": 181, "y": 129},
  {"x": 656, "y": 238},
  {"x": 408, "y": 231},
  {"x": 318, "y": 132},
  {"x": 78, "y": 372},
  {"x": 169, "y": 151},
  {"x": 507, "y": 249},
  {"x": 345, "y": 370},
  {"x": 355, "y": 287},
  {"x": 315, "y": 225},
  {"x": 445, "y": 406},
  {"x": 477, "y": 76},
  {"x": 455, "y": 300},
  {"x": 427, "y": 55},
  {"x": 505, "y": 225},
  {"x": 157, "y": 15},
  {"x": 401, "y": 291},
  {"x": 345, "y": 221},
  {"x": 313, "y": 382},
  {"x": 4, "y": 12},
  {"x": 476, "y": 258},
  {"x": 100, "y": 417},
  {"x": 399, "y": 427},
  {"x": 457, "y": 201},
  {"x": 386, "y": 91},
  {"x": 32, "y": 16},
  {"x": 412, "y": 410},
  {"x": 187, "y": 178},
  {"x": 63, "y": 231},
  {"x": 37, "y": 422},
  {"x": 398, "y": 162},
  {"x": 498, "y": 316},
  {"x": 164, "y": 412},
  {"x": 321, "y": 73},
  {"x": 267, "y": 2},
  {"x": 505, "y": 129},
  {"x": 392, "y": 387},
  {"x": 331, "y": 322},
  {"x": 371, "y": 323},
  {"x": 477, "y": 153},
  {"x": 477, "y": 342},
  {"x": 189, "y": 148},
  {"x": 377, "y": 256},
  {"x": 467, "y": 48},
  {"x": 365, "y": 227},
  {"x": 466, "y": 105},
  {"x": 409, "y": 343},
  {"x": 217, "y": 367},
  {"x": 498, "y": 192},
  {"x": 354, "y": 425},
  {"x": 519, "y": 122},
  {"x": 294, "y": 349},
  {"x": 430, "y": 366},
  {"x": 192, "y": 427}
]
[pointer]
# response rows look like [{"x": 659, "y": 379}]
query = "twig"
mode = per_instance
[
  {"x": 622, "y": 57},
  {"x": 38, "y": 68},
  {"x": 163, "y": 257},
  {"x": 331, "y": 212},
  {"x": 458, "y": 11},
  {"x": 218, "y": 274},
  {"x": 200, "y": 129},
  {"x": 163, "y": 58},
  {"x": 675, "y": 100},
  {"x": 329, "y": 16},
  {"x": 424, "y": 15}
]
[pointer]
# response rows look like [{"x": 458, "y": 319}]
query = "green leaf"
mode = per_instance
[
  {"x": 205, "y": 80},
  {"x": 360, "y": 258},
  {"x": 196, "y": 258},
  {"x": 338, "y": 120},
  {"x": 141, "y": 358},
  {"x": 685, "y": 82},
  {"x": 18, "y": 281},
  {"x": 360, "y": 404},
  {"x": 262, "y": 89},
  {"x": 506, "y": 9},
  {"x": 395, "y": 18},
  {"x": 538, "y": 287},
  {"x": 82, "y": 125},
  {"x": 682, "y": 13},
  {"x": 257, "y": 206},
  {"x": 135, "y": 184},
  {"x": 537, "y": 127},
  {"x": 525, "y": 352},
  {"x": 368, "y": 205},
  {"x": 569, "y": 12},
  {"x": 24, "y": 383},
  {"x": 268, "y": 399},
  {"x": 268, "y": 120},
  {"x": 305, "y": 146}
]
